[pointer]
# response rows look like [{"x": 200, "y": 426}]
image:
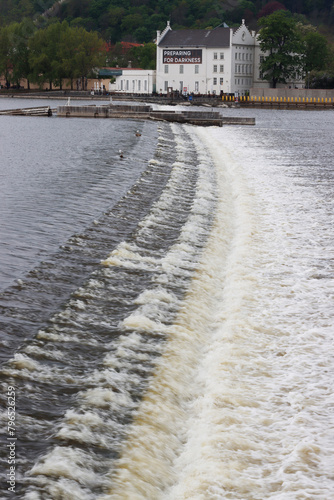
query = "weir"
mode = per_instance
[
  {"x": 142, "y": 112},
  {"x": 136, "y": 112}
]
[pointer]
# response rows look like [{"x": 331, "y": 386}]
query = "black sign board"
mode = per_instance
[{"x": 182, "y": 56}]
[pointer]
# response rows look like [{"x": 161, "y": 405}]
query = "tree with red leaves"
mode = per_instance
[{"x": 269, "y": 8}]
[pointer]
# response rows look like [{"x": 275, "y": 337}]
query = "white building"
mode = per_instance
[
  {"x": 125, "y": 80},
  {"x": 136, "y": 81},
  {"x": 222, "y": 60}
]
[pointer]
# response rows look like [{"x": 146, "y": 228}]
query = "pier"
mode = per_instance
[
  {"x": 133, "y": 111},
  {"x": 141, "y": 112},
  {"x": 39, "y": 111},
  {"x": 144, "y": 112}
]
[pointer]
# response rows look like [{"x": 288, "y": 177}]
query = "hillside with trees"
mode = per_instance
[
  {"x": 46, "y": 41},
  {"x": 138, "y": 20}
]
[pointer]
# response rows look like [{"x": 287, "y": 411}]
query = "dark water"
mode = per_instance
[
  {"x": 68, "y": 200},
  {"x": 57, "y": 176}
]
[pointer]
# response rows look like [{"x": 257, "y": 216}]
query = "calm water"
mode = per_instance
[{"x": 167, "y": 318}]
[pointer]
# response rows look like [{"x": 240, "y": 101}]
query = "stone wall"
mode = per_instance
[{"x": 292, "y": 93}]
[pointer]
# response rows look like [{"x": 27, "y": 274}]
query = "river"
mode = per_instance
[{"x": 167, "y": 317}]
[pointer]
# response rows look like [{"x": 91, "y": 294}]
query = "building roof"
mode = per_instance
[
  {"x": 125, "y": 46},
  {"x": 218, "y": 37},
  {"x": 109, "y": 72}
]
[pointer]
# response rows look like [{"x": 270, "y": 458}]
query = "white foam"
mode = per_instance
[{"x": 239, "y": 404}]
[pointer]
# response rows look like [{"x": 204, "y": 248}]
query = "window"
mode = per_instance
[
  {"x": 236, "y": 69},
  {"x": 215, "y": 55},
  {"x": 221, "y": 68},
  {"x": 145, "y": 85},
  {"x": 166, "y": 86},
  {"x": 222, "y": 55},
  {"x": 196, "y": 68},
  {"x": 215, "y": 68},
  {"x": 122, "y": 82},
  {"x": 166, "y": 68},
  {"x": 139, "y": 85},
  {"x": 127, "y": 85},
  {"x": 215, "y": 81},
  {"x": 236, "y": 55},
  {"x": 261, "y": 59},
  {"x": 221, "y": 81},
  {"x": 133, "y": 85},
  {"x": 181, "y": 69},
  {"x": 196, "y": 86}
]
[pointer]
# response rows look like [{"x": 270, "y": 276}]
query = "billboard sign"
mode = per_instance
[{"x": 182, "y": 56}]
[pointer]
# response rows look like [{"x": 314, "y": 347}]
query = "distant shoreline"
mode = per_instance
[{"x": 212, "y": 101}]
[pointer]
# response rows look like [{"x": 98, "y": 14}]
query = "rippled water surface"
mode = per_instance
[
  {"x": 166, "y": 318},
  {"x": 57, "y": 176}
]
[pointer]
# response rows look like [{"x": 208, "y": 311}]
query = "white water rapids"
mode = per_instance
[{"x": 195, "y": 360}]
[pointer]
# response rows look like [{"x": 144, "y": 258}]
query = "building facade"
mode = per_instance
[
  {"x": 127, "y": 80},
  {"x": 136, "y": 81},
  {"x": 219, "y": 61}
]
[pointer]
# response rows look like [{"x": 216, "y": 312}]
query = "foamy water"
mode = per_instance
[
  {"x": 241, "y": 405},
  {"x": 215, "y": 382}
]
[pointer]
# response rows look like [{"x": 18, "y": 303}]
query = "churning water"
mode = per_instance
[{"x": 166, "y": 318}]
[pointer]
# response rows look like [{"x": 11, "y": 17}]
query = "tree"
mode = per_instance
[
  {"x": 5, "y": 63},
  {"x": 44, "y": 57},
  {"x": 281, "y": 42},
  {"x": 89, "y": 53},
  {"x": 316, "y": 51},
  {"x": 145, "y": 56},
  {"x": 60, "y": 51},
  {"x": 269, "y": 8},
  {"x": 19, "y": 35}
]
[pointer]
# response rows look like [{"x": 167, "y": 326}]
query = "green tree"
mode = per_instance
[
  {"x": 144, "y": 57},
  {"x": 282, "y": 45},
  {"x": 60, "y": 51},
  {"x": 5, "y": 63},
  {"x": 90, "y": 53},
  {"x": 19, "y": 35},
  {"x": 44, "y": 57},
  {"x": 316, "y": 51}
]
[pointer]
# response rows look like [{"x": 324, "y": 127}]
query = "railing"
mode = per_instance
[{"x": 276, "y": 100}]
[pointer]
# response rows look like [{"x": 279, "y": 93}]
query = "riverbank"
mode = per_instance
[{"x": 163, "y": 100}]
